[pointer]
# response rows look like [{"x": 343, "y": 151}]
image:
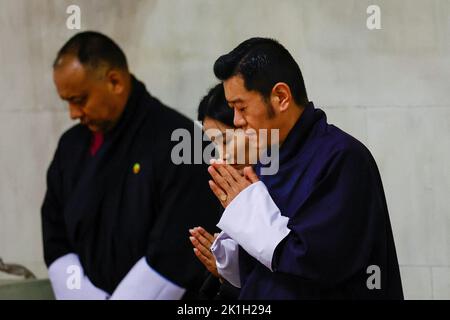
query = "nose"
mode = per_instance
[
  {"x": 75, "y": 112},
  {"x": 238, "y": 119}
]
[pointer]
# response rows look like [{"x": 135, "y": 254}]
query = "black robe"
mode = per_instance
[
  {"x": 329, "y": 187},
  {"x": 110, "y": 215}
]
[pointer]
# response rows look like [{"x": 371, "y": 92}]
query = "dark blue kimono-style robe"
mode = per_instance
[{"x": 329, "y": 187}]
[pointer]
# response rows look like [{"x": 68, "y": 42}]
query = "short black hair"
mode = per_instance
[
  {"x": 215, "y": 106},
  {"x": 263, "y": 62},
  {"x": 94, "y": 49}
]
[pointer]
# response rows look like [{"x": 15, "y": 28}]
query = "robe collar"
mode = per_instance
[{"x": 297, "y": 136}]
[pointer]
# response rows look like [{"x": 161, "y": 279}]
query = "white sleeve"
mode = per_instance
[
  {"x": 144, "y": 283},
  {"x": 226, "y": 252},
  {"x": 69, "y": 281},
  {"x": 254, "y": 221}
]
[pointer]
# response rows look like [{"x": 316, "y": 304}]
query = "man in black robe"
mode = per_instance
[{"x": 117, "y": 209}]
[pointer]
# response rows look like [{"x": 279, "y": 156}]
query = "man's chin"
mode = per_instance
[{"x": 103, "y": 127}]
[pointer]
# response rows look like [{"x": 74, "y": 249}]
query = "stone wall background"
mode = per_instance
[{"x": 389, "y": 88}]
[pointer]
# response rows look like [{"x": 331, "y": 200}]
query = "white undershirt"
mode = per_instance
[{"x": 141, "y": 283}]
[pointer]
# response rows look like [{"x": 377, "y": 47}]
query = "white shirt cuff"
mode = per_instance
[
  {"x": 69, "y": 282},
  {"x": 254, "y": 221},
  {"x": 144, "y": 283},
  {"x": 226, "y": 252}
]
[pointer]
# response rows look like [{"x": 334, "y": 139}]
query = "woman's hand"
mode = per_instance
[{"x": 202, "y": 241}]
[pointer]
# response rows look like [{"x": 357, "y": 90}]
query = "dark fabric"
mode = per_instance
[
  {"x": 329, "y": 187},
  {"x": 96, "y": 143},
  {"x": 100, "y": 208}
]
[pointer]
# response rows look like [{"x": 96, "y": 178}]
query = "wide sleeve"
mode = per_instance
[
  {"x": 69, "y": 281},
  {"x": 54, "y": 235},
  {"x": 226, "y": 253},
  {"x": 254, "y": 221},
  {"x": 328, "y": 238}
]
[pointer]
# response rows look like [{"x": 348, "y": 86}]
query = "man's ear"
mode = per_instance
[
  {"x": 281, "y": 96},
  {"x": 116, "y": 81}
]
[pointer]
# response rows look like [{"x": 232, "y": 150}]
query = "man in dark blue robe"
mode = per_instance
[
  {"x": 317, "y": 228},
  {"x": 117, "y": 208}
]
